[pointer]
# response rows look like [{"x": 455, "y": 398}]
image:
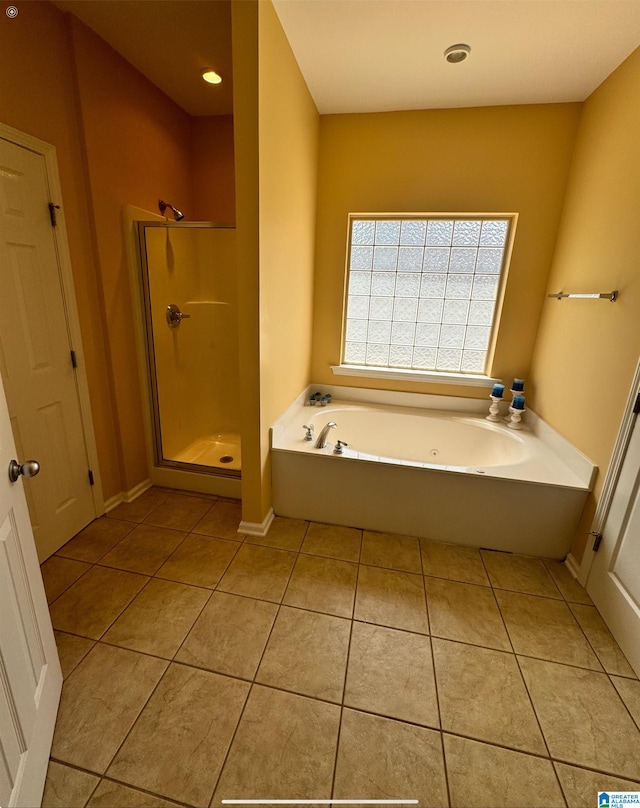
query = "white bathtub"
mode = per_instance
[{"x": 446, "y": 475}]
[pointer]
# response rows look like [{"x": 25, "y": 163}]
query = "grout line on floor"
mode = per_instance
[
  {"x": 170, "y": 800},
  {"x": 50, "y": 604},
  {"x": 435, "y": 682},
  {"x": 352, "y": 618},
  {"x": 344, "y": 684}
]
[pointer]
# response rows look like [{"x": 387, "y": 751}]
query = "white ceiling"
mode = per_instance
[{"x": 377, "y": 55}]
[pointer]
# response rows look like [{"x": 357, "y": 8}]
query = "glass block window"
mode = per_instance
[{"x": 422, "y": 291}]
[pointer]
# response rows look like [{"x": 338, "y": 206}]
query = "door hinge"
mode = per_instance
[
  {"x": 52, "y": 213},
  {"x": 91, "y": 481},
  {"x": 597, "y": 540},
  {"x": 636, "y": 406},
  {"x": 74, "y": 361}
]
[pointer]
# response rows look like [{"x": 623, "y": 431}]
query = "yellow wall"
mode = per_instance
[
  {"x": 43, "y": 103},
  {"x": 586, "y": 352},
  {"x": 119, "y": 140},
  {"x": 276, "y": 141},
  {"x": 289, "y": 131},
  {"x": 492, "y": 159},
  {"x": 137, "y": 146},
  {"x": 214, "y": 192},
  {"x": 244, "y": 30}
]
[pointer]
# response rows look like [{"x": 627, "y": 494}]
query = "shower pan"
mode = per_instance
[{"x": 191, "y": 335}]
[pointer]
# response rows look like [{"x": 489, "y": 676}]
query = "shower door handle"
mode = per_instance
[{"x": 175, "y": 316}]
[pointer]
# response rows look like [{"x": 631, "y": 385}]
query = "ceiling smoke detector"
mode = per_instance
[{"x": 457, "y": 53}]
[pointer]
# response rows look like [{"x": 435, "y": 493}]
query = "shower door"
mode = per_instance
[{"x": 189, "y": 292}]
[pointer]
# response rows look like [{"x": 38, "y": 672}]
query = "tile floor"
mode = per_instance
[{"x": 326, "y": 662}]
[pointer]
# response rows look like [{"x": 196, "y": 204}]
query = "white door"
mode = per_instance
[
  {"x": 30, "y": 676},
  {"x": 35, "y": 354},
  {"x": 614, "y": 578}
]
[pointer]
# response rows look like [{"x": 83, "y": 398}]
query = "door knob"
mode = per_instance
[{"x": 28, "y": 469}]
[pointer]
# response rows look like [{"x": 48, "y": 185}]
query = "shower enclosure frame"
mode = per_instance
[{"x": 211, "y": 473}]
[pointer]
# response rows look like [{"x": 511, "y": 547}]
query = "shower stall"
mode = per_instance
[{"x": 188, "y": 295}]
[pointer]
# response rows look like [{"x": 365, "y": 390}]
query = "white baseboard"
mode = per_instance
[
  {"x": 127, "y": 496},
  {"x": 572, "y": 565},
  {"x": 257, "y": 528}
]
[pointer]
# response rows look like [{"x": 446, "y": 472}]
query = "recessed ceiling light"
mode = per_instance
[
  {"x": 211, "y": 76},
  {"x": 457, "y": 53}
]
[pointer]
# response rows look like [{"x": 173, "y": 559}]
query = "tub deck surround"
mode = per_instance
[{"x": 448, "y": 475}]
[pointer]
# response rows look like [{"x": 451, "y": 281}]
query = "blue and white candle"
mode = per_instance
[
  {"x": 518, "y": 385},
  {"x": 498, "y": 391},
  {"x": 518, "y": 403}
]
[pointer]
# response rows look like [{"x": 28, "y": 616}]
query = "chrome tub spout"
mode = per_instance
[{"x": 322, "y": 437}]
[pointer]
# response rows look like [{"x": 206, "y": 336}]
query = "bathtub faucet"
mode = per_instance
[{"x": 322, "y": 437}]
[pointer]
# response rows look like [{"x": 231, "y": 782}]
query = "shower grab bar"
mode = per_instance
[{"x": 611, "y": 296}]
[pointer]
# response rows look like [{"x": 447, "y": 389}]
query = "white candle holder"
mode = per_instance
[
  {"x": 514, "y": 393},
  {"x": 494, "y": 409},
  {"x": 515, "y": 417}
]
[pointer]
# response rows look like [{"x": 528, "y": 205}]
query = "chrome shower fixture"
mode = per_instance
[{"x": 177, "y": 214}]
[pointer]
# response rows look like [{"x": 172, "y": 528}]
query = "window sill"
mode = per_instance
[{"x": 428, "y": 376}]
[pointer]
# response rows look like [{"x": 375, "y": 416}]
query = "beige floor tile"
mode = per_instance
[
  {"x": 629, "y": 690},
  {"x": 285, "y": 534},
  {"x": 391, "y": 598},
  {"x": 391, "y": 551},
  {"x": 483, "y": 776},
  {"x": 114, "y": 795},
  {"x": 582, "y": 718},
  {"x": 581, "y": 786},
  {"x": 607, "y": 649},
  {"x": 285, "y": 748},
  {"x": 333, "y": 541},
  {"x": 59, "y": 573},
  {"x": 66, "y": 787},
  {"x": 159, "y": 619},
  {"x": 141, "y": 507},
  {"x": 144, "y": 550},
  {"x": 566, "y": 583},
  {"x": 230, "y": 635},
  {"x": 100, "y": 702},
  {"x": 222, "y": 520},
  {"x": 90, "y": 605},
  {"x": 199, "y": 560},
  {"x": 179, "y": 512},
  {"x": 95, "y": 541},
  {"x": 71, "y": 650},
  {"x": 307, "y": 653},
  {"x": 454, "y": 562},
  {"x": 258, "y": 572},
  {"x": 545, "y": 628},
  {"x": 383, "y": 759},
  {"x": 391, "y": 672},
  {"x": 323, "y": 585},
  {"x": 466, "y": 613},
  {"x": 519, "y": 574},
  {"x": 482, "y": 695},
  {"x": 180, "y": 740}
]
